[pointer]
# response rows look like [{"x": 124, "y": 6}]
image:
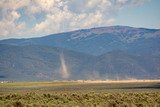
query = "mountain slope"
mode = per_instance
[
  {"x": 38, "y": 62},
  {"x": 30, "y": 63},
  {"x": 97, "y": 41},
  {"x": 116, "y": 52}
]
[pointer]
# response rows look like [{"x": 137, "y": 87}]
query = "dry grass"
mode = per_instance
[{"x": 81, "y": 94}]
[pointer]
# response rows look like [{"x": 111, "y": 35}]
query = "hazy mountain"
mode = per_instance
[
  {"x": 39, "y": 62},
  {"x": 97, "y": 41},
  {"x": 116, "y": 52}
]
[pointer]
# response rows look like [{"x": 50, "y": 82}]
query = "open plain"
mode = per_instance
[{"x": 81, "y": 93}]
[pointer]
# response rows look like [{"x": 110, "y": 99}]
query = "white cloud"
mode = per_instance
[
  {"x": 15, "y": 15},
  {"x": 131, "y": 2},
  {"x": 9, "y": 24},
  {"x": 122, "y": 1},
  {"x": 68, "y": 17},
  {"x": 11, "y": 28},
  {"x": 87, "y": 20},
  {"x": 59, "y": 15},
  {"x": 13, "y": 4},
  {"x": 54, "y": 22}
]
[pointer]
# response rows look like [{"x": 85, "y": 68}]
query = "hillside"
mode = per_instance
[{"x": 116, "y": 52}]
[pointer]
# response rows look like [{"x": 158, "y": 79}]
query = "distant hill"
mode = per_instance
[
  {"x": 97, "y": 41},
  {"x": 116, "y": 52}
]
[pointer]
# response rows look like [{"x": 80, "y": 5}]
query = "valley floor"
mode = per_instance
[{"x": 144, "y": 93}]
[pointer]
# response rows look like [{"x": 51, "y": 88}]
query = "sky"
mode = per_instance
[{"x": 36, "y": 18}]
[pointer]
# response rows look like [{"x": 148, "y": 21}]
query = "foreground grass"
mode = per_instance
[
  {"x": 79, "y": 99},
  {"x": 76, "y": 94}
]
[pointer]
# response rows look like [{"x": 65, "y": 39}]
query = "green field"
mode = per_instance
[{"x": 79, "y": 94}]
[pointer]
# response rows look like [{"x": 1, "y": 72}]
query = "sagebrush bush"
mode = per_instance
[{"x": 81, "y": 99}]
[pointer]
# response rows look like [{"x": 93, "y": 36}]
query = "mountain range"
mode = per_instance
[{"x": 114, "y": 52}]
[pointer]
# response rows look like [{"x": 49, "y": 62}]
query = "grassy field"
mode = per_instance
[{"x": 80, "y": 94}]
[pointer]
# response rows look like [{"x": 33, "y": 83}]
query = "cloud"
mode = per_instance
[
  {"x": 74, "y": 14},
  {"x": 59, "y": 15},
  {"x": 8, "y": 25},
  {"x": 13, "y": 4},
  {"x": 10, "y": 15}
]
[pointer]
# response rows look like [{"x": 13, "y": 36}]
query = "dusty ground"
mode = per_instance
[{"x": 118, "y": 81}]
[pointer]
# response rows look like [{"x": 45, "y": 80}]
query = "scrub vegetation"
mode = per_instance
[{"x": 79, "y": 94}]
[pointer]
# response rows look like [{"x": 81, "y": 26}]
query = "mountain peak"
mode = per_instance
[
  {"x": 100, "y": 40},
  {"x": 98, "y": 53}
]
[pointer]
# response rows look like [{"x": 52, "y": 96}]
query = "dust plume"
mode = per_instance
[{"x": 64, "y": 69}]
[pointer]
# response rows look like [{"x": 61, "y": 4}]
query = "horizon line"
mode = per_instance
[{"x": 32, "y": 37}]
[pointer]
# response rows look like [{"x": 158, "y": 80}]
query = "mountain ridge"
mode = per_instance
[
  {"x": 117, "y": 52},
  {"x": 78, "y": 40}
]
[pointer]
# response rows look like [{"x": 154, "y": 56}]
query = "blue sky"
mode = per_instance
[
  {"x": 146, "y": 15},
  {"x": 34, "y": 18}
]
